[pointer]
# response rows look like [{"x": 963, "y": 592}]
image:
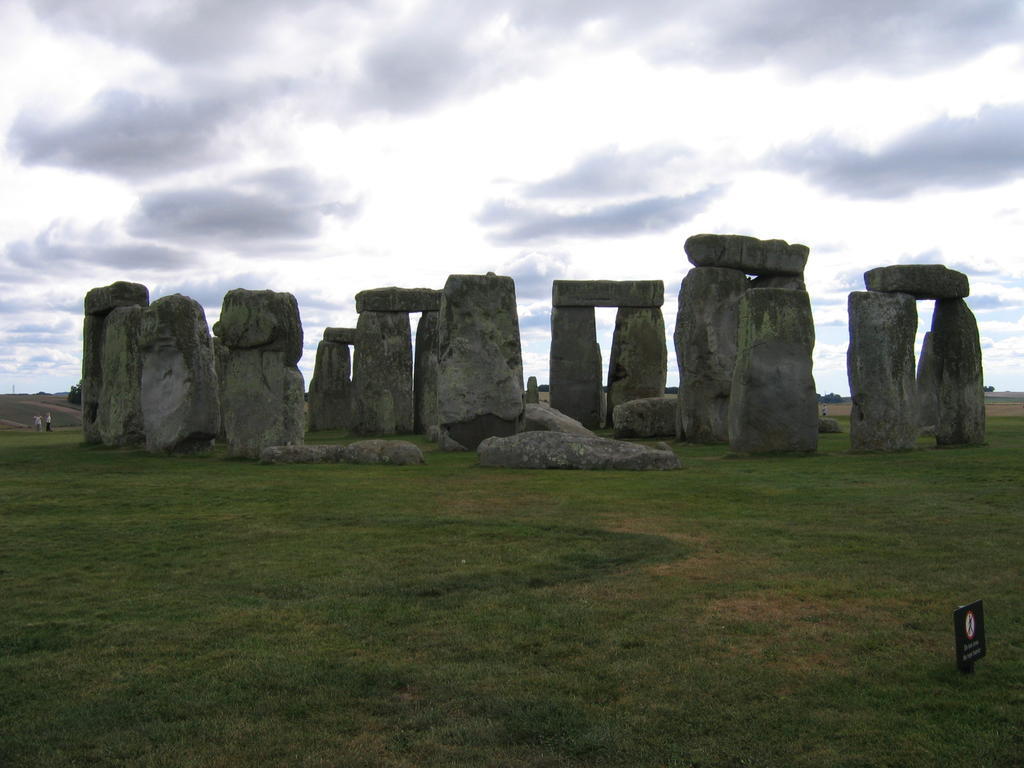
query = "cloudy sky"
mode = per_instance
[{"x": 327, "y": 147}]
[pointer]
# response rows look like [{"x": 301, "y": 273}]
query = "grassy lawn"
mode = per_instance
[{"x": 741, "y": 612}]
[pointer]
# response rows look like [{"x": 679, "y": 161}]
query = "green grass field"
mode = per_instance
[{"x": 741, "y": 612}]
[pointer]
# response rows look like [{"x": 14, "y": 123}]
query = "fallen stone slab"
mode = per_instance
[
  {"x": 647, "y": 417},
  {"x": 391, "y": 452},
  {"x": 922, "y": 281},
  {"x": 557, "y": 450},
  {"x": 541, "y": 418},
  {"x": 752, "y": 256},
  {"x": 398, "y": 300},
  {"x": 607, "y": 293}
]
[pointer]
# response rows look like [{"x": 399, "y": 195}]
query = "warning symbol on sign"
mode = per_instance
[{"x": 969, "y": 635}]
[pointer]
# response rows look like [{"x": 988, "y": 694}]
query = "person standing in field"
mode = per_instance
[
  {"x": 49, "y": 418},
  {"x": 37, "y": 421}
]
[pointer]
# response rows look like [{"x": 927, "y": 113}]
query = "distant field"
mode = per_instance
[
  {"x": 766, "y": 612},
  {"x": 16, "y": 411}
]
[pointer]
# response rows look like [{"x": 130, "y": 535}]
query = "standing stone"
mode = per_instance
[
  {"x": 575, "y": 365},
  {"x": 330, "y": 389},
  {"x": 220, "y": 365},
  {"x": 532, "y": 396},
  {"x": 119, "y": 415},
  {"x": 773, "y": 405},
  {"x": 179, "y": 382},
  {"x": 263, "y": 393},
  {"x": 99, "y": 304},
  {"x": 880, "y": 366},
  {"x": 382, "y": 374},
  {"x": 480, "y": 361},
  {"x": 927, "y": 385},
  {"x": 637, "y": 365},
  {"x": 92, "y": 377},
  {"x": 961, "y": 390},
  {"x": 424, "y": 385},
  {"x": 707, "y": 325}
]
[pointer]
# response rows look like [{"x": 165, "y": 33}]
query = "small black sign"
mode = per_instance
[{"x": 969, "y": 632}]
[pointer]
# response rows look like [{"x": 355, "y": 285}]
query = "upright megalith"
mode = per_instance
[
  {"x": 119, "y": 415},
  {"x": 263, "y": 391},
  {"x": 382, "y": 374},
  {"x": 532, "y": 395},
  {"x": 424, "y": 379},
  {"x": 575, "y": 365},
  {"x": 330, "y": 389},
  {"x": 960, "y": 391},
  {"x": 927, "y": 384},
  {"x": 480, "y": 361},
  {"x": 180, "y": 406},
  {"x": 880, "y": 366},
  {"x": 638, "y": 359},
  {"x": 707, "y": 328},
  {"x": 111, "y": 367},
  {"x": 773, "y": 405}
]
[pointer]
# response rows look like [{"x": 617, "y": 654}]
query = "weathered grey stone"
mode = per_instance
[
  {"x": 828, "y": 426},
  {"x": 880, "y": 366},
  {"x": 100, "y": 301},
  {"x": 92, "y": 377},
  {"x": 330, "y": 389},
  {"x": 607, "y": 293},
  {"x": 480, "y": 364},
  {"x": 927, "y": 385},
  {"x": 382, "y": 375},
  {"x": 961, "y": 390},
  {"x": 575, "y": 365},
  {"x": 180, "y": 408},
  {"x": 707, "y": 331},
  {"x": 773, "y": 405},
  {"x": 119, "y": 414},
  {"x": 398, "y": 300},
  {"x": 261, "y": 320},
  {"x": 302, "y": 454},
  {"x": 341, "y": 335},
  {"x": 649, "y": 417},
  {"x": 395, "y": 452},
  {"x": 424, "y": 386},
  {"x": 532, "y": 395},
  {"x": 558, "y": 450},
  {"x": 789, "y": 282},
  {"x": 263, "y": 391},
  {"x": 747, "y": 254},
  {"x": 541, "y": 418},
  {"x": 220, "y": 366},
  {"x": 263, "y": 402},
  {"x": 433, "y": 433},
  {"x": 637, "y": 365},
  {"x": 922, "y": 281}
]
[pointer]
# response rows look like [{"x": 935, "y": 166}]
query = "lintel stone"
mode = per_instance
[
  {"x": 398, "y": 300},
  {"x": 752, "y": 256},
  {"x": 103, "y": 300},
  {"x": 922, "y": 281},
  {"x": 607, "y": 293},
  {"x": 340, "y": 335}
]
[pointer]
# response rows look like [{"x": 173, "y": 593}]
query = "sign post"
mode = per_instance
[{"x": 969, "y": 634}]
